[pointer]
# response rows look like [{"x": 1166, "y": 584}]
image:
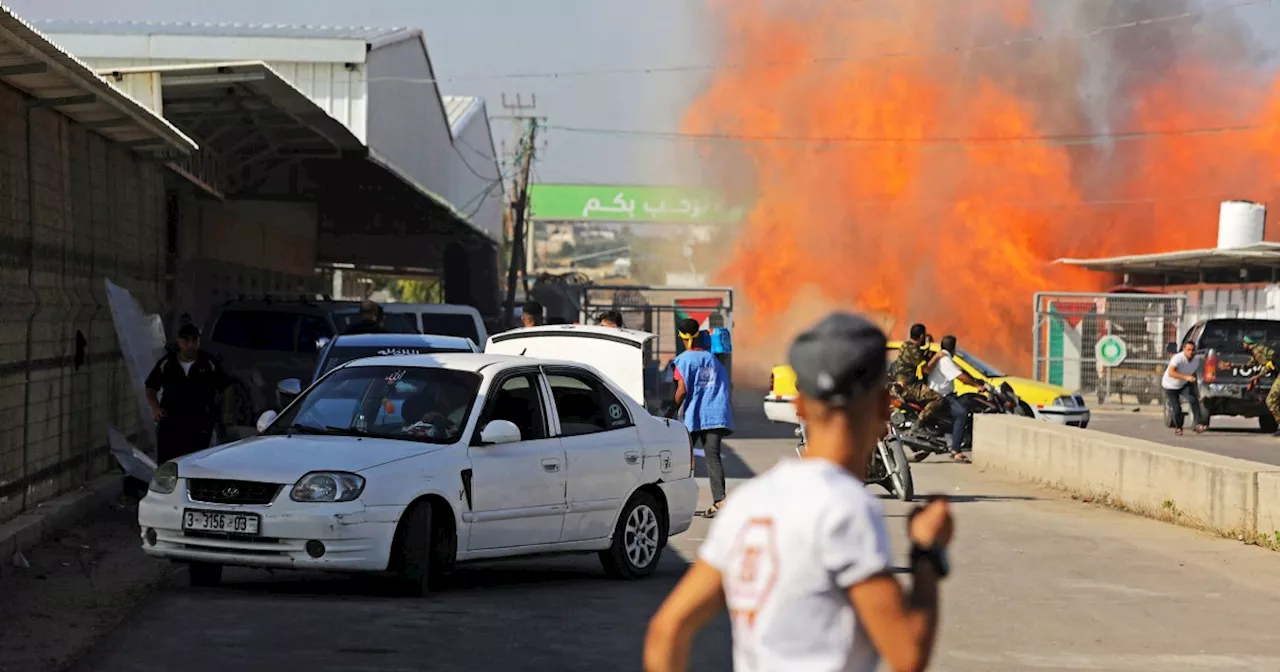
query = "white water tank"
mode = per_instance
[{"x": 1241, "y": 223}]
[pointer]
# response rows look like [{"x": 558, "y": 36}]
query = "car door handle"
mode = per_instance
[
  {"x": 631, "y": 457},
  {"x": 551, "y": 464}
]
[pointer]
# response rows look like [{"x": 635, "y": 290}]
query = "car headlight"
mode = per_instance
[
  {"x": 165, "y": 480},
  {"x": 328, "y": 486}
]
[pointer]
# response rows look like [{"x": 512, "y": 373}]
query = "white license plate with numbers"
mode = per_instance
[{"x": 220, "y": 521}]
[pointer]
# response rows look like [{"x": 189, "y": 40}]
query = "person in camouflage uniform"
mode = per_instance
[
  {"x": 1264, "y": 357},
  {"x": 914, "y": 390}
]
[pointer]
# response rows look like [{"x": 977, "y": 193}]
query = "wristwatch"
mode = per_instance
[{"x": 935, "y": 555}]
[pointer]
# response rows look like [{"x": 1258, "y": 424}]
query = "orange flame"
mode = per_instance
[{"x": 963, "y": 168}]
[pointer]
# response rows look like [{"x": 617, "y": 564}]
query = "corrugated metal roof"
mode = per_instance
[
  {"x": 459, "y": 110},
  {"x": 31, "y": 63},
  {"x": 362, "y": 33},
  {"x": 1258, "y": 254}
]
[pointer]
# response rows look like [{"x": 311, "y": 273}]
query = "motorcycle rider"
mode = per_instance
[
  {"x": 942, "y": 372},
  {"x": 911, "y": 355}
]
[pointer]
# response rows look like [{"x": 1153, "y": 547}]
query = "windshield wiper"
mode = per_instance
[{"x": 327, "y": 430}]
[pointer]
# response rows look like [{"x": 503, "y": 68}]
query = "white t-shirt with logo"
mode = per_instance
[
  {"x": 789, "y": 544},
  {"x": 942, "y": 379}
]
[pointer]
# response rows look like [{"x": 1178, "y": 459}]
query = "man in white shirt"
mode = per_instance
[
  {"x": 800, "y": 555},
  {"x": 943, "y": 372},
  {"x": 1179, "y": 382}
]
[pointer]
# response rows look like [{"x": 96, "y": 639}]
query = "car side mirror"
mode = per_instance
[
  {"x": 265, "y": 420},
  {"x": 321, "y": 342},
  {"x": 499, "y": 432},
  {"x": 287, "y": 390}
]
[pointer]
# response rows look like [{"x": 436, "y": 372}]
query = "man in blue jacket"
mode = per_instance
[{"x": 702, "y": 392}]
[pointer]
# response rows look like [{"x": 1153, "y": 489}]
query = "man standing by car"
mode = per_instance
[
  {"x": 532, "y": 314},
  {"x": 702, "y": 390},
  {"x": 611, "y": 318},
  {"x": 1179, "y": 382},
  {"x": 943, "y": 373},
  {"x": 801, "y": 555},
  {"x": 911, "y": 355},
  {"x": 371, "y": 320},
  {"x": 181, "y": 389},
  {"x": 1264, "y": 357}
]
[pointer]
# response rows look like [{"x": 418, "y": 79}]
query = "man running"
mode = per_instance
[
  {"x": 702, "y": 392},
  {"x": 800, "y": 555},
  {"x": 1263, "y": 356}
]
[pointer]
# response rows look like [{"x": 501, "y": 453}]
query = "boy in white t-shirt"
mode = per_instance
[{"x": 800, "y": 555}]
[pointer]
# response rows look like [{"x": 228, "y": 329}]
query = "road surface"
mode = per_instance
[
  {"x": 1234, "y": 437},
  {"x": 1040, "y": 583}
]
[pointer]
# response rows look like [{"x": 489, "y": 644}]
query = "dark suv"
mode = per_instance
[
  {"x": 1227, "y": 368},
  {"x": 263, "y": 341}
]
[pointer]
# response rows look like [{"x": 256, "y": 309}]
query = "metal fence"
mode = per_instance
[{"x": 1068, "y": 327}]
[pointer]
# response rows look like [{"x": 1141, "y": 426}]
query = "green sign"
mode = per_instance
[
  {"x": 613, "y": 203},
  {"x": 1111, "y": 350}
]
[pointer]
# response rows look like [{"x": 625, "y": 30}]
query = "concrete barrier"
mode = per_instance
[{"x": 1192, "y": 487}]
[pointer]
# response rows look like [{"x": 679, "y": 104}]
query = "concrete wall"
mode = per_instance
[
  {"x": 1218, "y": 493},
  {"x": 74, "y": 209}
]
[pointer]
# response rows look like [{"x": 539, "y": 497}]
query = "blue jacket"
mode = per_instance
[{"x": 706, "y": 402}]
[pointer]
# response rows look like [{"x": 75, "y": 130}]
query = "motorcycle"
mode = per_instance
[
  {"x": 889, "y": 468},
  {"x": 934, "y": 438}
]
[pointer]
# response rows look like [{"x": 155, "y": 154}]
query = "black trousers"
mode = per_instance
[
  {"x": 182, "y": 435},
  {"x": 710, "y": 441}
]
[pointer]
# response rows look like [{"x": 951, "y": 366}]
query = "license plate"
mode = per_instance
[{"x": 218, "y": 521}]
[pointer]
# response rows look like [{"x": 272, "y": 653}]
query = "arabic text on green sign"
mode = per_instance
[{"x": 578, "y": 202}]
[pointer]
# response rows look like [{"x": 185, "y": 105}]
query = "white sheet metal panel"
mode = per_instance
[
  {"x": 214, "y": 47},
  {"x": 475, "y": 186}
]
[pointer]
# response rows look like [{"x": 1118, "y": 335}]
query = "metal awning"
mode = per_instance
[
  {"x": 55, "y": 79},
  {"x": 251, "y": 121},
  {"x": 1258, "y": 255}
]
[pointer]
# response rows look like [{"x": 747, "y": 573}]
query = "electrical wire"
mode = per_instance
[
  {"x": 836, "y": 60},
  {"x": 1065, "y": 139}
]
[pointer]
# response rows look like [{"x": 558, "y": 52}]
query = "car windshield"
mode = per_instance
[
  {"x": 340, "y": 354},
  {"x": 983, "y": 368},
  {"x": 423, "y": 404}
]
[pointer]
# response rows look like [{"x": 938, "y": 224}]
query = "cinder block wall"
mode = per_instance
[{"x": 74, "y": 209}]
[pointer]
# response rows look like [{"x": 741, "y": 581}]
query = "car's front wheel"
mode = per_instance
[
  {"x": 204, "y": 574},
  {"x": 423, "y": 551},
  {"x": 638, "y": 540}
]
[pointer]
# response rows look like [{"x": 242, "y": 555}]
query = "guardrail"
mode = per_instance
[{"x": 1232, "y": 497}]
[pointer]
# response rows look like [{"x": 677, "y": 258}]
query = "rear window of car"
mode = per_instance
[
  {"x": 450, "y": 324},
  {"x": 1229, "y": 334},
  {"x": 341, "y": 355}
]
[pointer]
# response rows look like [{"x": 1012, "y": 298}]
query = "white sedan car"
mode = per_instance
[{"x": 410, "y": 464}]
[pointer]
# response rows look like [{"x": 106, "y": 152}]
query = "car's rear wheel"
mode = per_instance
[
  {"x": 204, "y": 574},
  {"x": 423, "y": 552},
  {"x": 638, "y": 540},
  {"x": 1266, "y": 422}
]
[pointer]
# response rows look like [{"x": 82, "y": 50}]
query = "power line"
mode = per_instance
[
  {"x": 1065, "y": 139},
  {"x": 835, "y": 60}
]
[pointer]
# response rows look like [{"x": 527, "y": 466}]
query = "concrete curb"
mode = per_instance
[
  {"x": 31, "y": 527},
  {"x": 1231, "y": 497}
]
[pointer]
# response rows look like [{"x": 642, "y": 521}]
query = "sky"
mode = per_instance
[{"x": 472, "y": 41}]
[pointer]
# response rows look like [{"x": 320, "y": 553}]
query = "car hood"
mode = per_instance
[{"x": 285, "y": 459}]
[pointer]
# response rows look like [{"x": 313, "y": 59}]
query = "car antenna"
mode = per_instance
[{"x": 524, "y": 351}]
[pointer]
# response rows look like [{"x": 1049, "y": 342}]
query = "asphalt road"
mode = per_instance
[
  {"x": 1233, "y": 437},
  {"x": 1040, "y": 583}
]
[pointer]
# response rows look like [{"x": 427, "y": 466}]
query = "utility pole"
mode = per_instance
[{"x": 516, "y": 267}]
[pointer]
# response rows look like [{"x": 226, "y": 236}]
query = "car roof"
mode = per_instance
[
  {"x": 611, "y": 333},
  {"x": 459, "y": 361},
  {"x": 427, "y": 340}
]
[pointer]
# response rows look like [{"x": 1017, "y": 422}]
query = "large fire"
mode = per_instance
[{"x": 972, "y": 143}]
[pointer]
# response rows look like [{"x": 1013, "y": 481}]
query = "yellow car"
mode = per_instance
[{"x": 1046, "y": 402}]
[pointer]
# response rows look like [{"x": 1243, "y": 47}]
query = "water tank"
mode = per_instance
[{"x": 1241, "y": 223}]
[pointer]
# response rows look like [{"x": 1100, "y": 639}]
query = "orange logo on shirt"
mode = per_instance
[{"x": 752, "y": 570}]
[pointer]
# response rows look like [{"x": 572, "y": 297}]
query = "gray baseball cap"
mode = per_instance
[{"x": 838, "y": 358}]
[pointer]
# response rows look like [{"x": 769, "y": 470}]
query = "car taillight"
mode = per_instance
[{"x": 1210, "y": 368}]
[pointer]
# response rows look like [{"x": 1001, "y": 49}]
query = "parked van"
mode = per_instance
[{"x": 437, "y": 319}]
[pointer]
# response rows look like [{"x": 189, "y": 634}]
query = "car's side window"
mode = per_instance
[
  {"x": 312, "y": 328},
  {"x": 585, "y": 406},
  {"x": 517, "y": 401}
]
